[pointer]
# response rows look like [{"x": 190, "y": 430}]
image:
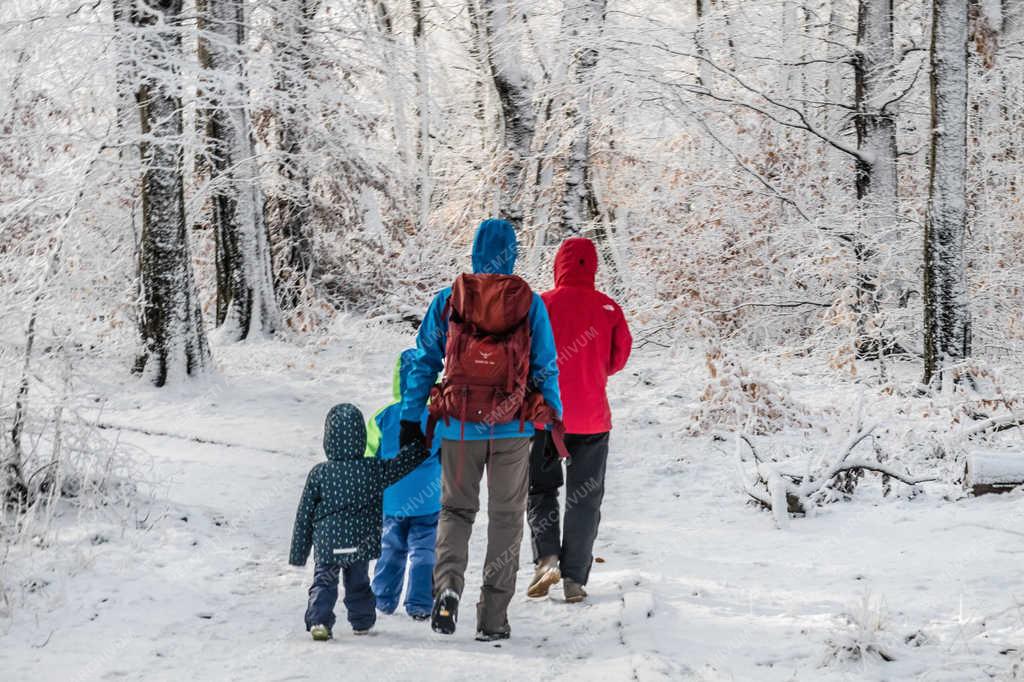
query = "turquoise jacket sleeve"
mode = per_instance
[
  {"x": 302, "y": 534},
  {"x": 428, "y": 360},
  {"x": 544, "y": 355}
]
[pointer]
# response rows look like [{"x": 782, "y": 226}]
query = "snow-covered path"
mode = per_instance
[{"x": 193, "y": 583}]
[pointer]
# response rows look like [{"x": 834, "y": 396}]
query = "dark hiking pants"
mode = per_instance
[
  {"x": 507, "y": 461},
  {"x": 583, "y": 494},
  {"x": 359, "y": 600}
]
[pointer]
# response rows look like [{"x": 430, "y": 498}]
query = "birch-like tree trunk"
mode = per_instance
[
  {"x": 386, "y": 27},
  {"x": 515, "y": 94},
  {"x": 947, "y": 322},
  {"x": 126, "y": 77},
  {"x": 245, "y": 289},
  {"x": 174, "y": 342},
  {"x": 704, "y": 73},
  {"x": 421, "y": 77},
  {"x": 289, "y": 207},
  {"x": 583, "y": 21}
]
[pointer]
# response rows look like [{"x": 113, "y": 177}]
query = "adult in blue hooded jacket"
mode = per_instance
[{"x": 502, "y": 449}]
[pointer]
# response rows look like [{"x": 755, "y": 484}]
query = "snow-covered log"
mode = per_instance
[
  {"x": 174, "y": 341},
  {"x": 947, "y": 321},
  {"x": 245, "y": 291},
  {"x": 994, "y": 472}
]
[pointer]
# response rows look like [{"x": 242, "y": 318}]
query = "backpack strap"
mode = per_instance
[
  {"x": 558, "y": 438},
  {"x": 431, "y": 424}
]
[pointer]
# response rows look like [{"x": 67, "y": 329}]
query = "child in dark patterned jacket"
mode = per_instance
[{"x": 339, "y": 517}]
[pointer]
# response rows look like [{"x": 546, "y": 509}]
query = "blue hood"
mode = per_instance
[
  {"x": 402, "y": 369},
  {"x": 494, "y": 247}
]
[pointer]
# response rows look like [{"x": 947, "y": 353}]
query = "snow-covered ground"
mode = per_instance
[{"x": 191, "y": 583}]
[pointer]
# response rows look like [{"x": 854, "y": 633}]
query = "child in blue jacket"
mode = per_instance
[{"x": 411, "y": 509}]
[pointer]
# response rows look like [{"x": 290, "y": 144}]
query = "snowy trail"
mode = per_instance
[{"x": 193, "y": 584}]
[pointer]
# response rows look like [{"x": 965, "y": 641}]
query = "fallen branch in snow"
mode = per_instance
[
  {"x": 105, "y": 426},
  {"x": 996, "y": 424},
  {"x": 778, "y": 304},
  {"x": 775, "y": 488}
]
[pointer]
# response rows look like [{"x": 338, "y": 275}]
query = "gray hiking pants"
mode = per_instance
[{"x": 507, "y": 461}]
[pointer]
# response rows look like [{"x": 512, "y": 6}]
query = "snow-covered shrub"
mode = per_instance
[
  {"x": 735, "y": 398},
  {"x": 861, "y": 636},
  {"x": 51, "y": 448}
]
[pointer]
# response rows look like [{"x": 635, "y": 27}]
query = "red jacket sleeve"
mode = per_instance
[{"x": 622, "y": 344}]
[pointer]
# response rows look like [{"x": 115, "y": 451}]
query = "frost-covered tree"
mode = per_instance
[
  {"x": 290, "y": 205},
  {"x": 514, "y": 86},
  {"x": 245, "y": 290},
  {"x": 173, "y": 337},
  {"x": 583, "y": 20},
  {"x": 875, "y": 99},
  {"x": 421, "y": 75},
  {"x": 947, "y": 321}
]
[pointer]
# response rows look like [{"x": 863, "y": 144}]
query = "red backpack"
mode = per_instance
[{"x": 487, "y": 358}]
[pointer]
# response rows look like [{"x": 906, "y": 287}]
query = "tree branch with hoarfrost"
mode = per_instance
[{"x": 777, "y": 487}]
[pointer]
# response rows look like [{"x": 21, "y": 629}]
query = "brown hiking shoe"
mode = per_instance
[
  {"x": 574, "y": 592},
  {"x": 546, "y": 575}
]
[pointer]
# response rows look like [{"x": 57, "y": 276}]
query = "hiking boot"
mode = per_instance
[
  {"x": 362, "y": 631},
  {"x": 419, "y": 617},
  {"x": 484, "y": 636},
  {"x": 321, "y": 633},
  {"x": 574, "y": 592},
  {"x": 445, "y": 613},
  {"x": 546, "y": 574}
]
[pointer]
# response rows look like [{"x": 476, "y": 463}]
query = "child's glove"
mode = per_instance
[{"x": 410, "y": 432}]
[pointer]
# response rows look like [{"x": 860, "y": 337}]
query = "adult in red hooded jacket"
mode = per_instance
[{"x": 593, "y": 342}]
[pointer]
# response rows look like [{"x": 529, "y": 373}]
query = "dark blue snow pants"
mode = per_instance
[{"x": 359, "y": 600}]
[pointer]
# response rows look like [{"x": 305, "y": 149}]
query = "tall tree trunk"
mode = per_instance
[
  {"x": 835, "y": 90},
  {"x": 245, "y": 288},
  {"x": 422, "y": 78},
  {"x": 386, "y": 26},
  {"x": 288, "y": 210},
  {"x": 126, "y": 77},
  {"x": 704, "y": 74},
  {"x": 481, "y": 90},
  {"x": 516, "y": 98},
  {"x": 875, "y": 167},
  {"x": 947, "y": 323},
  {"x": 174, "y": 342},
  {"x": 584, "y": 26}
]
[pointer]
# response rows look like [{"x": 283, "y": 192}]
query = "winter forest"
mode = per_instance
[{"x": 218, "y": 218}]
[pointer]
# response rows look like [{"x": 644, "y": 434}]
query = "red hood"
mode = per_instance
[{"x": 576, "y": 263}]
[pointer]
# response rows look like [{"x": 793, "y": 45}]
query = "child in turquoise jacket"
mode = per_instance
[{"x": 411, "y": 509}]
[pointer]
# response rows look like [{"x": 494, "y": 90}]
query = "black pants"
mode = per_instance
[{"x": 583, "y": 495}]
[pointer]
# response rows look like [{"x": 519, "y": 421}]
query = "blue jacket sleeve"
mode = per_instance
[
  {"x": 428, "y": 360},
  {"x": 544, "y": 355}
]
